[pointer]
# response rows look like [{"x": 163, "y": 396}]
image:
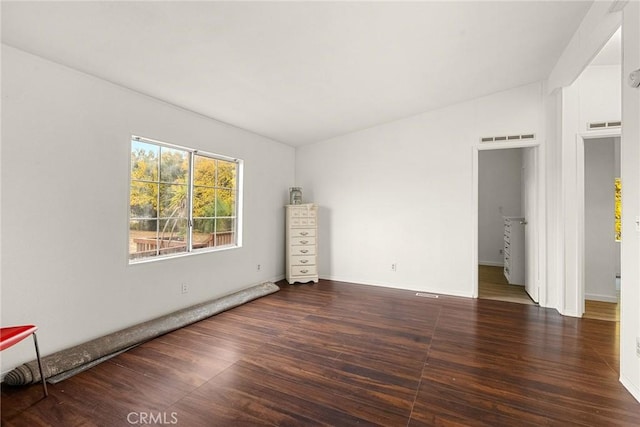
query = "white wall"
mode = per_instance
[
  {"x": 402, "y": 193},
  {"x": 630, "y": 168},
  {"x": 594, "y": 96},
  {"x": 599, "y": 239},
  {"x": 600, "y": 98},
  {"x": 65, "y": 163},
  {"x": 562, "y": 123},
  {"x": 554, "y": 272},
  {"x": 499, "y": 195}
]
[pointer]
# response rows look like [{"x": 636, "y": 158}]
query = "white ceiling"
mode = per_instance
[{"x": 300, "y": 72}]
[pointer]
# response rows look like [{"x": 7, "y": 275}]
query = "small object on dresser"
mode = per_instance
[{"x": 295, "y": 195}]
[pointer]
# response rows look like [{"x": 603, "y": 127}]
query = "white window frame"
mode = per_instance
[{"x": 189, "y": 238}]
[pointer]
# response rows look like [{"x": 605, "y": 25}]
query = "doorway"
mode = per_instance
[
  {"x": 506, "y": 223},
  {"x": 600, "y": 254}
]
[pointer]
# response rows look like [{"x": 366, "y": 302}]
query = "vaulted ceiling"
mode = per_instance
[{"x": 301, "y": 72}]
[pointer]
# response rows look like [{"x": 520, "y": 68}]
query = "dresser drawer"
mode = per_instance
[
  {"x": 307, "y": 221},
  {"x": 302, "y": 222},
  {"x": 298, "y": 212},
  {"x": 303, "y": 270},
  {"x": 302, "y": 250},
  {"x": 303, "y": 232},
  {"x": 302, "y": 213},
  {"x": 303, "y": 260},
  {"x": 303, "y": 240}
]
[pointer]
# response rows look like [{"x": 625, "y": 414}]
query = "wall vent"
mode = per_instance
[
  {"x": 426, "y": 295},
  {"x": 524, "y": 137},
  {"x": 604, "y": 125}
]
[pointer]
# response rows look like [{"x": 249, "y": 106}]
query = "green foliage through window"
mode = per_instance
[{"x": 180, "y": 200}]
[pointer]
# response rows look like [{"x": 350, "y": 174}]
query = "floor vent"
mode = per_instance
[
  {"x": 524, "y": 137},
  {"x": 425, "y": 295},
  {"x": 604, "y": 125}
]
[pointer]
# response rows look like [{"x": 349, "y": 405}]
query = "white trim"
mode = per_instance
[
  {"x": 635, "y": 391},
  {"x": 475, "y": 212},
  {"x": 504, "y": 145},
  {"x": 580, "y": 226},
  {"x": 491, "y": 263},
  {"x": 601, "y": 298},
  {"x": 602, "y": 133},
  {"x": 384, "y": 284}
]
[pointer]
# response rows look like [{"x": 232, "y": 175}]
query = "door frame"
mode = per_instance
[
  {"x": 580, "y": 208},
  {"x": 538, "y": 225}
]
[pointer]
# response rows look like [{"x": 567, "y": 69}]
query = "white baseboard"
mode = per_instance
[
  {"x": 491, "y": 263},
  {"x": 383, "y": 284},
  {"x": 602, "y": 298},
  {"x": 635, "y": 391},
  {"x": 278, "y": 278}
]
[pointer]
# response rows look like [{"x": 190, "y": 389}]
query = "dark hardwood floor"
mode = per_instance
[{"x": 341, "y": 354}]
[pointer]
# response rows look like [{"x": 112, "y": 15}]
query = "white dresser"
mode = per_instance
[
  {"x": 302, "y": 243},
  {"x": 514, "y": 249}
]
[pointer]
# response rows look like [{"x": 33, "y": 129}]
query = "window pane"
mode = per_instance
[
  {"x": 226, "y": 174},
  {"x": 142, "y": 238},
  {"x": 174, "y": 165},
  {"x": 204, "y": 173},
  {"x": 203, "y": 233},
  {"x": 143, "y": 200},
  {"x": 172, "y": 236},
  {"x": 144, "y": 161},
  {"x": 204, "y": 202},
  {"x": 225, "y": 234},
  {"x": 224, "y": 225},
  {"x": 173, "y": 201},
  {"x": 225, "y": 203}
]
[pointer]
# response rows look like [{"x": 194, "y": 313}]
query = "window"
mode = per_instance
[{"x": 180, "y": 200}]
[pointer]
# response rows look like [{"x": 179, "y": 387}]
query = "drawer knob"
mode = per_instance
[
  {"x": 304, "y": 261},
  {"x": 304, "y": 242},
  {"x": 304, "y": 233},
  {"x": 304, "y": 251},
  {"x": 304, "y": 271}
]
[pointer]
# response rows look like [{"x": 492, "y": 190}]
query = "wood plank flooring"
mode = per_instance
[
  {"x": 340, "y": 354},
  {"x": 602, "y": 310},
  {"x": 493, "y": 285}
]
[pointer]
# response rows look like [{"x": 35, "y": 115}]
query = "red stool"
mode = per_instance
[{"x": 13, "y": 335}]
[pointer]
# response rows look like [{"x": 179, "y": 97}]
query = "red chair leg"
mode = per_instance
[{"x": 44, "y": 382}]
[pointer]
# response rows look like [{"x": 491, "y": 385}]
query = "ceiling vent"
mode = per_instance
[
  {"x": 604, "y": 125},
  {"x": 524, "y": 137}
]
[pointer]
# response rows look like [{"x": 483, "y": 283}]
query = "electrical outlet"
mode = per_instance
[
  {"x": 184, "y": 288},
  {"x": 638, "y": 346},
  {"x": 500, "y": 251},
  {"x": 258, "y": 267},
  {"x": 394, "y": 267}
]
